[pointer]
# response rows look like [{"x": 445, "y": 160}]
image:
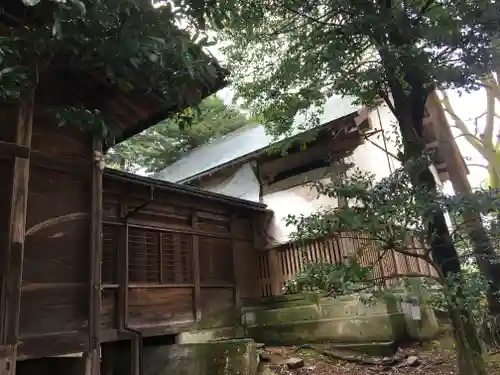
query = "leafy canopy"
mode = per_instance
[
  {"x": 161, "y": 145},
  {"x": 287, "y": 55}
]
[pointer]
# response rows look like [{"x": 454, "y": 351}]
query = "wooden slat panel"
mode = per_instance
[
  {"x": 333, "y": 249},
  {"x": 110, "y": 244},
  {"x": 160, "y": 306},
  {"x": 177, "y": 253},
  {"x": 53, "y": 310},
  {"x": 214, "y": 300},
  {"x": 212, "y": 222},
  {"x": 246, "y": 268},
  {"x": 216, "y": 261},
  {"x": 144, "y": 256},
  {"x": 108, "y": 308}
]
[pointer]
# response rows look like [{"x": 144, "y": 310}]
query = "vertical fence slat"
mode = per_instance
[{"x": 290, "y": 259}]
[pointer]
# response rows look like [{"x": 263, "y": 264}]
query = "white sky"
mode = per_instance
[{"x": 469, "y": 106}]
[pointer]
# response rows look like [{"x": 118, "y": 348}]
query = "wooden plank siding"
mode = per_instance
[
  {"x": 102, "y": 263},
  {"x": 290, "y": 258},
  {"x": 53, "y": 313},
  {"x": 186, "y": 258}
]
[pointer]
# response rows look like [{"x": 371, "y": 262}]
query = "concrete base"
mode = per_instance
[
  {"x": 231, "y": 357},
  {"x": 302, "y": 319},
  {"x": 342, "y": 320},
  {"x": 426, "y": 328},
  {"x": 211, "y": 334}
]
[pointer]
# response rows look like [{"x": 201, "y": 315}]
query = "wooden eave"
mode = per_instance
[{"x": 131, "y": 111}]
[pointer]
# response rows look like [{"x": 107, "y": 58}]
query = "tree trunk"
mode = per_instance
[{"x": 443, "y": 251}]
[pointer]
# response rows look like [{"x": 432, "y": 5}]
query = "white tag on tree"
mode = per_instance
[
  {"x": 406, "y": 307},
  {"x": 415, "y": 312}
]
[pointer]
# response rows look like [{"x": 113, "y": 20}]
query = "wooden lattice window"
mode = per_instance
[
  {"x": 156, "y": 257},
  {"x": 216, "y": 261},
  {"x": 177, "y": 260},
  {"x": 110, "y": 244},
  {"x": 144, "y": 256}
]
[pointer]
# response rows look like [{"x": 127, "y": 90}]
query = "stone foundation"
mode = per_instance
[
  {"x": 301, "y": 319},
  {"x": 229, "y": 357}
]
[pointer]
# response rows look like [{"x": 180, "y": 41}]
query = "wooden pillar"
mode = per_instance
[
  {"x": 196, "y": 268},
  {"x": 94, "y": 354},
  {"x": 234, "y": 254},
  {"x": 122, "y": 270},
  {"x": 275, "y": 274},
  {"x": 11, "y": 287}
]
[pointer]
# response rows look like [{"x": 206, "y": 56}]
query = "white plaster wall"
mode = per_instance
[
  {"x": 298, "y": 200},
  {"x": 241, "y": 184},
  {"x": 370, "y": 156}
]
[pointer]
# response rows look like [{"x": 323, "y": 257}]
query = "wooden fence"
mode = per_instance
[{"x": 281, "y": 264}]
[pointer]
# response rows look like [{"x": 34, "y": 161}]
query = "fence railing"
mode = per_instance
[{"x": 281, "y": 264}]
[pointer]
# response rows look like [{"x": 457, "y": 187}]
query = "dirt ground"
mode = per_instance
[{"x": 436, "y": 358}]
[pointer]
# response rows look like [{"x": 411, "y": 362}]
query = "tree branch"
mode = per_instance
[
  {"x": 487, "y": 136},
  {"x": 410, "y": 274},
  {"x": 383, "y": 94},
  {"x": 460, "y": 124},
  {"x": 310, "y": 18},
  {"x": 476, "y": 165}
]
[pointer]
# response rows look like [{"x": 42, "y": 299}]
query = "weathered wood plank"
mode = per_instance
[
  {"x": 52, "y": 345},
  {"x": 159, "y": 306},
  {"x": 11, "y": 150},
  {"x": 196, "y": 270},
  {"x": 93, "y": 356},
  {"x": 123, "y": 272},
  {"x": 11, "y": 288}
]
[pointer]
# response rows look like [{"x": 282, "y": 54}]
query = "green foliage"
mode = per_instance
[
  {"x": 161, "y": 145},
  {"x": 137, "y": 45},
  {"x": 329, "y": 278},
  {"x": 289, "y": 55},
  {"x": 390, "y": 212}
]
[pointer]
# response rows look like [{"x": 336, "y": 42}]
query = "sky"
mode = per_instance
[{"x": 469, "y": 106}]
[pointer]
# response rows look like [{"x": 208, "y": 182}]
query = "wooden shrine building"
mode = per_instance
[{"x": 92, "y": 258}]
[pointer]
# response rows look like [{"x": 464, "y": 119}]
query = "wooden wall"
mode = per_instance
[
  {"x": 54, "y": 305},
  {"x": 186, "y": 255},
  {"x": 170, "y": 255}
]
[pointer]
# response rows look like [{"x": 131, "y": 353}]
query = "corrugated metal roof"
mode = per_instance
[{"x": 240, "y": 143}]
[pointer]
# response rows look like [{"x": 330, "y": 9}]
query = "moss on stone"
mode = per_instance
[
  {"x": 222, "y": 318},
  {"x": 230, "y": 357},
  {"x": 346, "y": 330}
]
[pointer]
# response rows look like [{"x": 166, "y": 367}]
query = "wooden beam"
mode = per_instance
[
  {"x": 236, "y": 286},
  {"x": 11, "y": 287},
  {"x": 123, "y": 271},
  {"x": 11, "y": 150},
  {"x": 73, "y": 166},
  {"x": 51, "y": 345},
  {"x": 289, "y": 161},
  {"x": 196, "y": 269},
  {"x": 93, "y": 357}
]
